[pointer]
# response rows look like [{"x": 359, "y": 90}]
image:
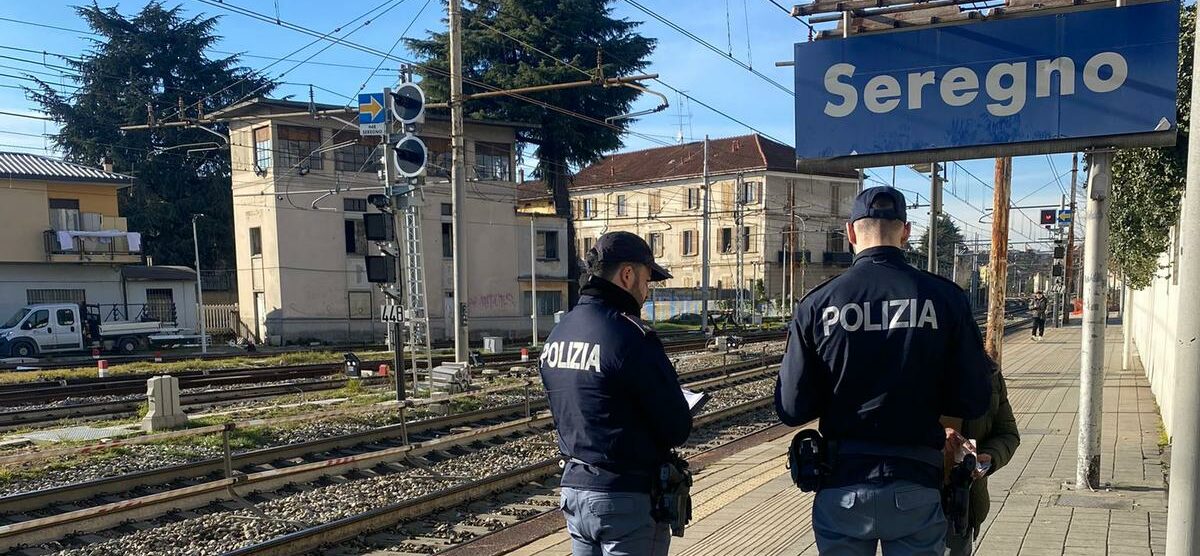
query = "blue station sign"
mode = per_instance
[{"x": 1023, "y": 85}]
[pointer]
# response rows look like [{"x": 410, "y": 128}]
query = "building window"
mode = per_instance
[
  {"x": 655, "y": 202},
  {"x": 693, "y": 198},
  {"x": 296, "y": 145},
  {"x": 655, "y": 239},
  {"x": 493, "y": 161},
  {"x": 621, "y": 208},
  {"x": 160, "y": 304},
  {"x": 726, "y": 240},
  {"x": 64, "y": 214},
  {"x": 588, "y": 208},
  {"x": 447, "y": 209},
  {"x": 835, "y": 242},
  {"x": 55, "y": 296},
  {"x": 548, "y": 303},
  {"x": 689, "y": 242},
  {"x": 447, "y": 240},
  {"x": 749, "y": 242},
  {"x": 835, "y": 198},
  {"x": 354, "y": 205},
  {"x": 356, "y": 237},
  {"x": 588, "y": 242},
  {"x": 547, "y": 245},
  {"x": 362, "y": 156},
  {"x": 262, "y": 148},
  {"x": 438, "y": 163},
  {"x": 751, "y": 191},
  {"x": 255, "y": 241}
]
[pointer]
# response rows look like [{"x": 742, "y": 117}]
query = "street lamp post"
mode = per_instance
[{"x": 199, "y": 287}]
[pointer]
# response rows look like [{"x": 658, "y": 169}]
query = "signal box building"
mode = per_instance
[{"x": 300, "y": 188}]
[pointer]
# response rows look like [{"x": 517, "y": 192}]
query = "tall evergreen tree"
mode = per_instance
[
  {"x": 155, "y": 62},
  {"x": 576, "y": 32},
  {"x": 949, "y": 242}
]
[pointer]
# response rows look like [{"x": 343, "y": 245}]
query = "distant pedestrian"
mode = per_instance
[{"x": 1038, "y": 307}]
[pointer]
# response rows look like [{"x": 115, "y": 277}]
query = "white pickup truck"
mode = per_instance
[{"x": 67, "y": 327}]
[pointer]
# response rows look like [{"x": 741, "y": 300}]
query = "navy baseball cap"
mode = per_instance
[
  {"x": 862, "y": 204},
  {"x": 625, "y": 247}
]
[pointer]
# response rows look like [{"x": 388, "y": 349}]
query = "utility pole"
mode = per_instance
[
  {"x": 203, "y": 325},
  {"x": 458, "y": 183},
  {"x": 998, "y": 262},
  {"x": 704, "y": 246},
  {"x": 803, "y": 253},
  {"x": 1069, "y": 271},
  {"x": 935, "y": 209},
  {"x": 533, "y": 313},
  {"x": 789, "y": 252},
  {"x": 743, "y": 240},
  {"x": 1183, "y": 519},
  {"x": 1126, "y": 324},
  {"x": 1095, "y": 313}
]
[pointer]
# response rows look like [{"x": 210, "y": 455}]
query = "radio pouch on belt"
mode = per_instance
[
  {"x": 808, "y": 460},
  {"x": 671, "y": 495}
]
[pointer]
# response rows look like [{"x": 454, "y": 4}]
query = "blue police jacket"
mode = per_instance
[
  {"x": 613, "y": 393},
  {"x": 878, "y": 354}
]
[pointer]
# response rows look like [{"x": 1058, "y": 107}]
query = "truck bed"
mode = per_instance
[{"x": 126, "y": 328}]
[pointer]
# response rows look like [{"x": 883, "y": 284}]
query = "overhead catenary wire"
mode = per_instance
[{"x": 710, "y": 46}]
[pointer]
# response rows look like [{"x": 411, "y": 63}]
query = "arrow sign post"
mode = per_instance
[{"x": 372, "y": 115}]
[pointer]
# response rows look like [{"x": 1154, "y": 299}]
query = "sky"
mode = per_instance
[{"x": 756, "y": 32}]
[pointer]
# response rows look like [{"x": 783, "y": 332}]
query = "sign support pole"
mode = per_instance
[
  {"x": 1095, "y": 313},
  {"x": 935, "y": 210},
  {"x": 705, "y": 243},
  {"x": 1183, "y": 521},
  {"x": 533, "y": 311},
  {"x": 1069, "y": 274},
  {"x": 998, "y": 260},
  {"x": 389, "y": 173}
]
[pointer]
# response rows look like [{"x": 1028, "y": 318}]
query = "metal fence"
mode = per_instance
[{"x": 221, "y": 319}]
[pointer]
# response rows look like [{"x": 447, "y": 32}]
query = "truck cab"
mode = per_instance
[{"x": 49, "y": 328}]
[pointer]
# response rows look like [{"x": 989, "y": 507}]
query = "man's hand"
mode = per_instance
[
  {"x": 954, "y": 441},
  {"x": 982, "y": 459}
]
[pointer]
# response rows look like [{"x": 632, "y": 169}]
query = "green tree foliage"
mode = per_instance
[
  {"x": 949, "y": 242},
  {"x": 155, "y": 61},
  {"x": 1147, "y": 183},
  {"x": 499, "y": 42}
]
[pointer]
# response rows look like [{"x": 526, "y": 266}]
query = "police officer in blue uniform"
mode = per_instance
[
  {"x": 881, "y": 355},
  {"x": 616, "y": 402}
]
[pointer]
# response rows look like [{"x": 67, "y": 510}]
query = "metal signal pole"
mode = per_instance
[
  {"x": 1069, "y": 270},
  {"x": 458, "y": 183},
  {"x": 935, "y": 209},
  {"x": 705, "y": 243}
]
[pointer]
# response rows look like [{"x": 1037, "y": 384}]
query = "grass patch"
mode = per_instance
[
  {"x": 674, "y": 327},
  {"x": 14, "y": 473}
]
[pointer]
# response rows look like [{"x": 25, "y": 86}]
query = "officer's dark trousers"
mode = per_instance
[
  {"x": 904, "y": 517},
  {"x": 1039, "y": 326},
  {"x": 612, "y": 524}
]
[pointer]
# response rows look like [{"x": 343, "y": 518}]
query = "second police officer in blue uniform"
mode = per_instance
[
  {"x": 616, "y": 403},
  {"x": 879, "y": 354}
]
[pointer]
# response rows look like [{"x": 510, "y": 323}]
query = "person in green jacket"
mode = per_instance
[{"x": 997, "y": 439}]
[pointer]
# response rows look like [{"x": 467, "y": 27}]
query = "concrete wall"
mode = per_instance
[
  {"x": 1155, "y": 313},
  {"x": 183, "y": 293},
  {"x": 101, "y": 283}
]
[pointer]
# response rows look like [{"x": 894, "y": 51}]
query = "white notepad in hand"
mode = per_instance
[{"x": 695, "y": 400}]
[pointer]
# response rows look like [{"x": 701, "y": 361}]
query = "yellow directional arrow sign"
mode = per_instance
[{"x": 373, "y": 108}]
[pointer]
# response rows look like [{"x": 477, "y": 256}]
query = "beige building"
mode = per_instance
[
  {"x": 300, "y": 187},
  {"x": 66, "y": 242},
  {"x": 657, "y": 194}
]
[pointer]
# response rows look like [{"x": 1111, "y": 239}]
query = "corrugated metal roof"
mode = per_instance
[{"x": 25, "y": 166}]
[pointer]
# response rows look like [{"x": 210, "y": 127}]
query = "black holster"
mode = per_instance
[
  {"x": 671, "y": 494},
  {"x": 956, "y": 497},
  {"x": 808, "y": 460}
]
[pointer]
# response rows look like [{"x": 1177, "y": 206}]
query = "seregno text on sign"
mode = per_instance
[{"x": 1094, "y": 77}]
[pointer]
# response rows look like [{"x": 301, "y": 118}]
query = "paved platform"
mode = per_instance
[{"x": 746, "y": 504}]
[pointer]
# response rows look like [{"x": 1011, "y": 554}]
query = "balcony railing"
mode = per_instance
[{"x": 104, "y": 246}]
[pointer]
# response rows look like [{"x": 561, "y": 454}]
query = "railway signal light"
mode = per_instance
[
  {"x": 1049, "y": 217},
  {"x": 410, "y": 155},
  {"x": 408, "y": 104}
]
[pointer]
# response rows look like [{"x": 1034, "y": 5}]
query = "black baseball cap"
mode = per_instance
[
  {"x": 626, "y": 247},
  {"x": 862, "y": 204}
]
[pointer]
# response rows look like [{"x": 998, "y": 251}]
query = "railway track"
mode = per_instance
[
  {"x": 98, "y": 505},
  {"x": 133, "y": 387}
]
